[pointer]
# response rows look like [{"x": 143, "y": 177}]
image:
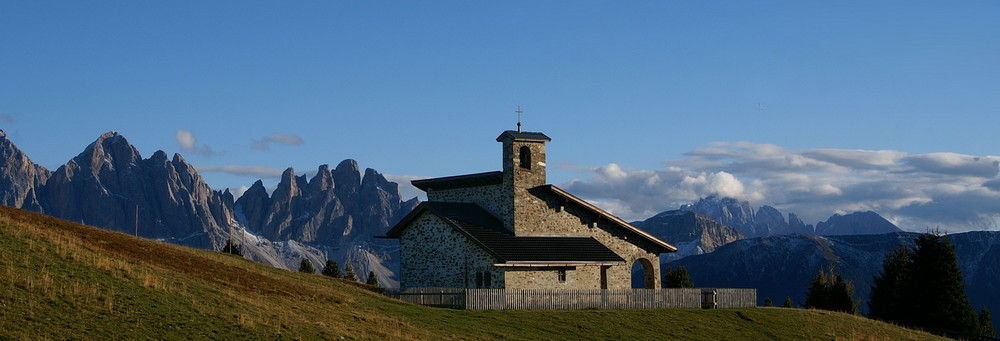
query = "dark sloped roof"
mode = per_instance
[
  {"x": 488, "y": 231},
  {"x": 527, "y": 135},
  {"x": 460, "y": 181}
]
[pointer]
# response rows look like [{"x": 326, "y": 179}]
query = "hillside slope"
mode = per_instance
[{"x": 60, "y": 280}]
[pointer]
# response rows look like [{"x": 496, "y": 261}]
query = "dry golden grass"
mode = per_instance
[{"x": 67, "y": 281}]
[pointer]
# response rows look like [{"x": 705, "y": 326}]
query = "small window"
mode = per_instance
[
  {"x": 487, "y": 279},
  {"x": 562, "y": 276},
  {"x": 479, "y": 279},
  {"x": 525, "y": 155}
]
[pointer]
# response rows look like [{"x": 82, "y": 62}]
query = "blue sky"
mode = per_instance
[{"x": 813, "y": 107}]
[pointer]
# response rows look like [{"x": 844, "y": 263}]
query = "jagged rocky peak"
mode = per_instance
[
  {"x": 20, "y": 178},
  {"x": 769, "y": 215},
  {"x": 110, "y": 151},
  {"x": 728, "y": 211},
  {"x": 798, "y": 226},
  {"x": 856, "y": 223},
  {"x": 703, "y": 233},
  {"x": 375, "y": 179},
  {"x": 288, "y": 187},
  {"x": 322, "y": 181},
  {"x": 159, "y": 156}
]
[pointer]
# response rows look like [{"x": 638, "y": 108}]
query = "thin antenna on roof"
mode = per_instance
[{"x": 518, "y": 111}]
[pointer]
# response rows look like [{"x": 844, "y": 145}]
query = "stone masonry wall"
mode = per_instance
[
  {"x": 545, "y": 220},
  {"x": 517, "y": 180},
  {"x": 582, "y": 277},
  {"x": 435, "y": 255},
  {"x": 487, "y": 197}
]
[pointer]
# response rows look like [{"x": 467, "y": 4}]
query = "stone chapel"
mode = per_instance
[{"x": 510, "y": 229}]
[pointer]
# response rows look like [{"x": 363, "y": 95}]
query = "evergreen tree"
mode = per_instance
[
  {"x": 372, "y": 279},
  {"x": 331, "y": 269},
  {"x": 789, "y": 303},
  {"x": 349, "y": 272},
  {"x": 937, "y": 291},
  {"x": 986, "y": 327},
  {"x": 830, "y": 291},
  {"x": 816, "y": 294},
  {"x": 888, "y": 298},
  {"x": 306, "y": 266},
  {"x": 768, "y": 303},
  {"x": 232, "y": 248},
  {"x": 677, "y": 278}
]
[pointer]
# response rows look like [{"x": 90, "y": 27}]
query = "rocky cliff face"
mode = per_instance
[
  {"x": 692, "y": 233},
  {"x": 768, "y": 221},
  {"x": 728, "y": 211},
  {"x": 109, "y": 185},
  {"x": 334, "y": 215},
  {"x": 855, "y": 223},
  {"x": 337, "y": 211},
  {"x": 20, "y": 179}
]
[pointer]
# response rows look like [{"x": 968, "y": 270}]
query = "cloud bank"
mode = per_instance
[
  {"x": 406, "y": 189},
  {"x": 254, "y": 171},
  {"x": 187, "y": 142},
  {"x": 285, "y": 139},
  {"x": 954, "y": 192}
]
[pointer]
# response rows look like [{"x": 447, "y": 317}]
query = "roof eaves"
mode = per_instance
[
  {"x": 553, "y": 264},
  {"x": 397, "y": 230},
  {"x": 485, "y": 178},
  {"x": 609, "y": 216}
]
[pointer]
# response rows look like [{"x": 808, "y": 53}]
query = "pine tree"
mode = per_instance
[
  {"x": 677, "y": 278},
  {"x": 349, "y": 273},
  {"x": 306, "y": 266},
  {"x": 372, "y": 279},
  {"x": 816, "y": 294},
  {"x": 842, "y": 295},
  {"x": 986, "y": 327},
  {"x": 888, "y": 298},
  {"x": 232, "y": 248},
  {"x": 937, "y": 290},
  {"x": 331, "y": 269},
  {"x": 789, "y": 303},
  {"x": 830, "y": 291},
  {"x": 768, "y": 303}
]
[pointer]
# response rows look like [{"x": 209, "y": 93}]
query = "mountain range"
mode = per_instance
[
  {"x": 337, "y": 212},
  {"x": 768, "y": 221},
  {"x": 335, "y": 215},
  {"x": 782, "y": 266}
]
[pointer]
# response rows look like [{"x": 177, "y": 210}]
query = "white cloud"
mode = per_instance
[
  {"x": 257, "y": 171},
  {"x": 187, "y": 142},
  {"x": 406, "y": 189},
  {"x": 960, "y": 192},
  {"x": 238, "y": 191},
  {"x": 285, "y": 139}
]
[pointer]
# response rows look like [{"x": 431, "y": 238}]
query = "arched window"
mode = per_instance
[{"x": 525, "y": 157}]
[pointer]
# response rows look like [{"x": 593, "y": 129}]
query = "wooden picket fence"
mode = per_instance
[{"x": 545, "y": 299}]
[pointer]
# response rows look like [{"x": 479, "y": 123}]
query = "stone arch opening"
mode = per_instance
[
  {"x": 643, "y": 274},
  {"x": 525, "y": 157}
]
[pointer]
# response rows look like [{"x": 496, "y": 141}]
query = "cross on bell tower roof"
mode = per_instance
[{"x": 518, "y": 111}]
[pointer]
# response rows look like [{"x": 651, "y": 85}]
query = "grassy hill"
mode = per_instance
[{"x": 60, "y": 280}]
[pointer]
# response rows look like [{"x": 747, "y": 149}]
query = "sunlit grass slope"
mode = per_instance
[{"x": 60, "y": 280}]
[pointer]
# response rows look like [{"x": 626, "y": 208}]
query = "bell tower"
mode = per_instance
[{"x": 523, "y": 169}]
